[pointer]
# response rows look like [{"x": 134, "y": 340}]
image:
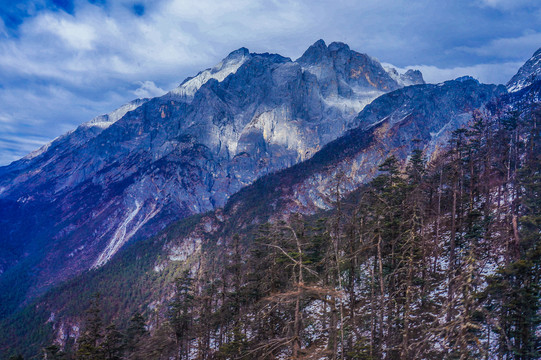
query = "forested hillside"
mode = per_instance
[{"x": 436, "y": 259}]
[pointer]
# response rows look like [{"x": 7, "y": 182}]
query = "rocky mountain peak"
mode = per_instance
[
  {"x": 410, "y": 77},
  {"x": 529, "y": 73},
  {"x": 236, "y": 54},
  {"x": 342, "y": 71},
  {"x": 466, "y": 78},
  {"x": 314, "y": 54},
  {"x": 414, "y": 77},
  {"x": 338, "y": 46},
  {"x": 220, "y": 71},
  {"x": 154, "y": 161}
]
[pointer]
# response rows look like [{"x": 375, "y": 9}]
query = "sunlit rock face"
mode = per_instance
[
  {"x": 416, "y": 117},
  {"x": 74, "y": 203}
]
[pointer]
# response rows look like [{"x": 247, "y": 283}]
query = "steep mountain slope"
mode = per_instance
[
  {"x": 387, "y": 126},
  {"x": 417, "y": 117},
  {"x": 528, "y": 74},
  {"x": 140, "y": 277},
  {"x": 74, "y": 204}
]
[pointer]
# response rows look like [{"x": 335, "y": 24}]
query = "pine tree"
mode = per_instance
[
  {"x": 112, "y": 346},
  {"x": 135, "y": 334},
  {"x": 90, "y": 340},
  {"x": 180, "y": 314},
  {"x": 514, "y": 294},
  {"x": 53, "y": 352}
]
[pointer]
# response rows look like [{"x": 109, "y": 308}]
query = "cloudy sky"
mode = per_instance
[{"x": 62, "y": 62}]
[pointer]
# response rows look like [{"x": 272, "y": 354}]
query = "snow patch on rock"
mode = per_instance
[
  {"x": 227, "y": 66},
  {"x": 125, "y": 231},
  {"x": 104, "y": 121}
]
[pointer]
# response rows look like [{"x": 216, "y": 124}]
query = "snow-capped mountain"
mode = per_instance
[
  {"x": 256, "y": 138},
  {"x": 72, "y": 205}
]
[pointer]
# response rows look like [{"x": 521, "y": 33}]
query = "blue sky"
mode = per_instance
[{"x": 62, "y": 62}]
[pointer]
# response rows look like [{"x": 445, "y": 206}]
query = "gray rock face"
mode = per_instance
[
  {"x": 127, "y": 175},
  {"x": 410, "y": 77},
  {"x": 421, "y": 117},
  {"x": 427, "y": 114},
  {"x": 529, "y": 73},
  {"x": 413, "y": 77}
]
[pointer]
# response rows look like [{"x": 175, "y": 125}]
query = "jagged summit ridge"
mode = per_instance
[
  {"x": 359, "y": 71},
  {"x": 410, "y": 77},
  {"x": 220, "y": 71}
]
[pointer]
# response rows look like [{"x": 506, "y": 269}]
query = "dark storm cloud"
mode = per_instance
[{"x": 63, "y": 62}]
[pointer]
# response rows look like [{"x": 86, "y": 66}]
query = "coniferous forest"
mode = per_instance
[{"x": 433, "y": 259}]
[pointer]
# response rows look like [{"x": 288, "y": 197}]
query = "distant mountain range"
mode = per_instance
[{"x": 253, "y": 138}]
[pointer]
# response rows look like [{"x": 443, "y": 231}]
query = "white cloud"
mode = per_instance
[
  {"x": 506, "y": 4},
  {"x": 79, "y": 36},
  {"x": 148, "y": 89},
  {"x": 177, "y": 38},
  {"x": 499, "y": 73},
  {"x": 513, "y": 47}
]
